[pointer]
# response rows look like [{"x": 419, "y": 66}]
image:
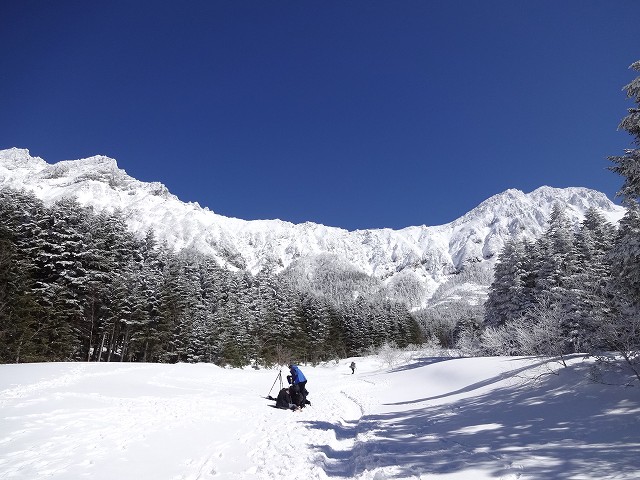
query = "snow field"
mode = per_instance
[{"x": 480, "y": 418}]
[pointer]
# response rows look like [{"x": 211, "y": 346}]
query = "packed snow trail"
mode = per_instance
[
  {"x": 161, "y": 421},
  {"x": 427, "y": 418}
]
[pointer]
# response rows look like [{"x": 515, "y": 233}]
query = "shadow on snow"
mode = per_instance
[
  {"x": 421, "y": 362},
  {"x": 477, "y": 385},
  {"x": 559, "y": 427}
]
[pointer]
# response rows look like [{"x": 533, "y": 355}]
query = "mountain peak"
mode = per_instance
[
  {"x": 420, "y": 260},
  {"x": 13, "y": 158},
  {"x": 96, "y": 165},
  {"x": 577, "y": 197}
]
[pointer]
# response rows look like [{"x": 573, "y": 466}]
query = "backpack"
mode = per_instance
[
  {"x": 284, "y": 399},
  {"x": 297, "y": 397}
]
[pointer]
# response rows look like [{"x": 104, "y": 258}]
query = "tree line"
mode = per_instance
[
  {"x": 573, "y": 289},
  {"x": 78, "y": 285}
]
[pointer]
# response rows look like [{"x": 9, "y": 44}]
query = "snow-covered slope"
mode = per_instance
[
  {"x": 421, "y": 255},
  {"x": 425, "y": 418}
]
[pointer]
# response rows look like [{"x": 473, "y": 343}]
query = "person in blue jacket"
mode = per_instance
[{"x": 298, "y": 382}]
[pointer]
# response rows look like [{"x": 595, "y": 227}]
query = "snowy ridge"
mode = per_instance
[{"x": 427, "y": 255}]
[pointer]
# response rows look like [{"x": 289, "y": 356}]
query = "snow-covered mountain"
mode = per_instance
[{"x": 419, "y": 259}]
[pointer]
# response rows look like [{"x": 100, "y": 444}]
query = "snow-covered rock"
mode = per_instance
[{"x": 427, "y": 254}]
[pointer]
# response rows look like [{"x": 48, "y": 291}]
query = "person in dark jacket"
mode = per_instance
[
  {"x": 298, "y": 383},
  {"x": 297, "y": 398},
  {"x": 285, "y": 401}
]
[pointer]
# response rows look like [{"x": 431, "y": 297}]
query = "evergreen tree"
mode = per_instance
[
  {"x": 204, "y": 341},
  {"x": 108, "y": 249},
  {"x": 61, "y": 278},
  {"x": 628, "y": 165},
  {"x": 625, "y": 257},
  {"x": 177, "y": 300},
  {"x": 621, "y": 331},
  {"x": 587, "y": 284},
  {"x": 144, "y": 340},
  {"x": 19, "y": 311},
  {"x": 556, "y": 268},
  {"x": 316, "y": 319},
  {"x": 557, "y": 262},
  {"x": 505, "y": 301},
  {"x": 231, "y": 319}
]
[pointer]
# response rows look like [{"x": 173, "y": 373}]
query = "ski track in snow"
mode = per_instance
[
  {"x": 117, "y": 423},
  {"x": 277, "y": 435},
  {"x": 201, "y": 422}
]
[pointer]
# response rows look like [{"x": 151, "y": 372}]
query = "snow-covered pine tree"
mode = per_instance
[
  {"x": 231, "y": 327},
  {"x": 405, "y": 330},
  {"x": 268, "y": 306},
  {"x": 316, "y": 320},
  {"x": 587, "y": 290},
  {"x": 628, "y": 165},
  {"x": 109, "y": 261},
  {"x": 203, "y": 339},
  {"x": 143, "y": 341},
  {"x": 622, "y": 332},
  {"x": 556, "y": 269},
  {"x": 128, "y": 303},
  {"x": 557, "y": 263},
  {"x": 20, "y": 314},
  {"x": 443, "y": 322},
  {"x": 180, "y": 297},
  {"x": 62, "y": 276},
  {"x": 625, "y": 257},
  {"x": 506, "y": 292},
  {"x": 356, "y": 331}
]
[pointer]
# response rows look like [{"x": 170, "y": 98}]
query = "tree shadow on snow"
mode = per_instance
[
  {"x": 421, "y": 362},
  {"x": 483, "y": 383},
  {"x": 558, "y": 427}
]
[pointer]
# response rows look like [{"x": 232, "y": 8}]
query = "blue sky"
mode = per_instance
[{"x": 354, "y": 114}]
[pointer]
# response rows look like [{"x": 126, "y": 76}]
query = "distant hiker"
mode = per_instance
[
  {"x": 353, "y": 367},
  {"x": 299, "y": 382}
]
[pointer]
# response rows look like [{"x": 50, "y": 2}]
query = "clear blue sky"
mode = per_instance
[{"x": 354, "y": 114}]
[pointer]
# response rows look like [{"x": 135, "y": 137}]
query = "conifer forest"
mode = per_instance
[{"x": 77, "y": 285}]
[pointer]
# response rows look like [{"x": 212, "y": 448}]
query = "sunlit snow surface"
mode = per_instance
[{"x": 425, "y": 417}]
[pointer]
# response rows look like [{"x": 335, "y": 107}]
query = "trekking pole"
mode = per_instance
[{"x": 274, "y": 383}]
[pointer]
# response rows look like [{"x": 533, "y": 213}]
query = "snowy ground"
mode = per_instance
[{"x": 478, "y": 418}]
